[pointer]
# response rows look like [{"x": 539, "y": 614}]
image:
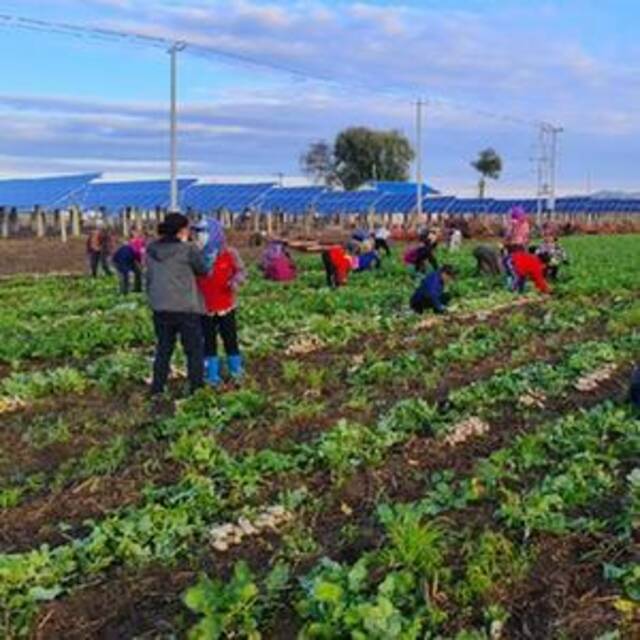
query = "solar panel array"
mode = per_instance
[
  {"x": 113, "y": 197},
  {"x": 381, "y": 197},
  {"x": 290, "y": 200},
  {"x": 206, "y": 198},
  {"x": 48, "y": 193},
  {"x": 406, "y": 188},
  {"x": 336, "y": 202}
]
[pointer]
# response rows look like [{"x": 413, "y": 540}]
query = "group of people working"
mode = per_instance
[
  {"x": 519, "y": 260},
  {"x": 193, "y": 276}
]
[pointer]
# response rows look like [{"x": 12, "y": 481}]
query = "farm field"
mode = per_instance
[{"x": 378, "y": 474}]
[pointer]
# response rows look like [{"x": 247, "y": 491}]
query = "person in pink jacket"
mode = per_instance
[
  {"x": 277, "y": 264},
  {"x": 518, "y": 231}
]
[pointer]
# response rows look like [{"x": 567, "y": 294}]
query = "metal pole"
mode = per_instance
[
  {"x": 173, "y": 52},
  {"x": 419, "y": 158},
  {"x": 554, "y": 155}
]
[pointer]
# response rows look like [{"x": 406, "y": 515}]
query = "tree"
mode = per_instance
[
  {"x": 362, "y": 154},
  {"x": 318, "y": 162},
  {"x": 489, "y": 165}
]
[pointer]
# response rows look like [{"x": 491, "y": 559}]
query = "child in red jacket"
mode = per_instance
[
  {"x": 218, "y": 289},
  {"x": 527, "y": 266}
]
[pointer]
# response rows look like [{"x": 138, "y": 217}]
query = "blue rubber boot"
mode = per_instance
[
  {"x": 236, "y": 370},
  {"x": 212, "y": 371}
]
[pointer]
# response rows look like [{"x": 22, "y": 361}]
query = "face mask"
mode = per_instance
[{"x": 201, "y": 239}]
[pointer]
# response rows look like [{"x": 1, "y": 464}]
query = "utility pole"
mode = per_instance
[
  {"x": 175, "y": 48},
  {"x": 419, "y": 158},
  {"x": 547, "y": 166},
  {"x": 554, "y": 131}
]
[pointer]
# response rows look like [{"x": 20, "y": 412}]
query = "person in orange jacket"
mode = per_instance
[
  {"x": 528, "y": 266},
  {"x": 218, "y": 289},
  {"x": 337, "y": 265}
]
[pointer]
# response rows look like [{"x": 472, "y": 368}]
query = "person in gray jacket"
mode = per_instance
[{"x": 172, "y": 266}]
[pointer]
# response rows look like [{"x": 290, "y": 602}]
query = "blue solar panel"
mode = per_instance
[
  {"x": 141, "y": 194},
  {"x": 401, "y": 187},
  {"x": 44, "y": 192},
  {"x": 336, "y": 202},
  {"x": 290, "y": 200},
  {"x": 235, "y": 197},
  {"x": 470, "y": 206},
  {"x": 438, "y": 205},
  {"x": 396, "y": 203}
]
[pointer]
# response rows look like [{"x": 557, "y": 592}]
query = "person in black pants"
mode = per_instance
[
  {"x": 172, "y": 266},
  {"x": 426, "y": 251},
  {"x": 381, "y": 238},
  {"x": 329, "y": 270}
]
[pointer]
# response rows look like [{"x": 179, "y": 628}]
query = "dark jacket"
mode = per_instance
[
  {"x": 172, "y": 267},
  {"x": 634, "y": 392},
  {"x": 124, "y": 259},
  {"x": 426, "y": 254},
  {"x": 431, "y": 289}
]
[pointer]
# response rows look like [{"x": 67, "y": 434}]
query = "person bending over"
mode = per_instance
[
  {"x": 337, "y": 265},
  {"x": 487, "y": 260},
  {"x": 527, "y": 266},
  {"x": 431, "y": 293},
  {"x": 368, "y": 259}
]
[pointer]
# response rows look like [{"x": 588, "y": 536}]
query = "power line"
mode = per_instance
[{"x": 207, "y": 51}]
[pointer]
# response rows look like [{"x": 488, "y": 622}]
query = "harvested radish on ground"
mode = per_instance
[
  {"x": 532, "y": 398},
  {"x": 591, "y": 381},
  {"x": 466, "y": 429},
  {"x": 229, "y": 534},
  {"x": 7, "y": 405},
  {"x": 304, "y": 344}
]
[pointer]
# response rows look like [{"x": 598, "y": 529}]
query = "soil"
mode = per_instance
[{"x": 562, "y": 584}]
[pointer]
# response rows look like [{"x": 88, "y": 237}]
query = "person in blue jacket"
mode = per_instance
[
  {"x": 368, "y": 258},
  {"x": 127, "y": 261},
  {"x": 431, "y": 293}
]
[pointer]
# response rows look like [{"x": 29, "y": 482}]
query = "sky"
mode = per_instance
[{"x": 297, "y": 71}]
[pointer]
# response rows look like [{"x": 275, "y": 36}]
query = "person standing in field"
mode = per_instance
[
  {"x": 99, "y": 249},
  {"x": 518, "y": 231},
  {"x": 218, "y": 286},
  {"x": 173, "y": 263},
  {"x": 381, "y": 237}
]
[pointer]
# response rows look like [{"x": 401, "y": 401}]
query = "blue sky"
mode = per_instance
[{"x": 70, "y": 104}]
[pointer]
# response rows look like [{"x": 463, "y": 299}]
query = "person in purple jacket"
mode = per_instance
[{"x": 431, "y": 293}]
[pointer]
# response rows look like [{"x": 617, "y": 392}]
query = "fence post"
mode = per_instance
[
  {"x": 62, "y": 217},
  {"x": 39, "y": 221},
  {"x": 5, "y": 222},
  {"x": 125, "y": 222}
]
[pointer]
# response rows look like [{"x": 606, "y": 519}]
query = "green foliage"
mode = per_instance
[{"x": 362, "y": 154}]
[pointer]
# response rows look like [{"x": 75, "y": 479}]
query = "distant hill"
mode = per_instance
[{"x": 620, "y": 195}]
